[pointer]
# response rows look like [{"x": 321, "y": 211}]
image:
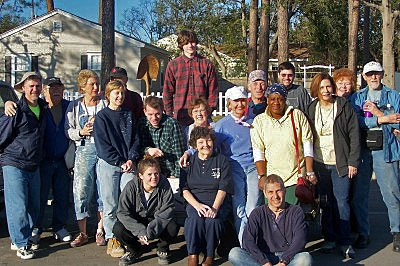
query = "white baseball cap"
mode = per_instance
[
  {"x": 372, "y": 66},
  {"x": 237, "y": 92}
]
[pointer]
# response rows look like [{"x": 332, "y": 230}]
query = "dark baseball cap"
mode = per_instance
[
  {"x": 118, "y": 72},
  {"x": 52, "y": 81}
]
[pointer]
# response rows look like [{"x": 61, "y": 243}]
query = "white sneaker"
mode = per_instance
[
  {"x": 25, "y": 253},
  {"x": 62, "y": 235},
  {"x": 34, "y": 239},
  {"x": 13, "y": 247}
]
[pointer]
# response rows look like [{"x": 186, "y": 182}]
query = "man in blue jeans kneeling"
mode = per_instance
[{"x": 275, "y": 233}]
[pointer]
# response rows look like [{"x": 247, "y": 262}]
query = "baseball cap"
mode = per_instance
[
  {"x": 27, "y": 75},
  {"x": 277, "y": 88},
  {"x": 118, "y": 72},
  {"x": 257, "y": 75},
  {"x": 52, "y": 80},
  {"x": 237, "y": 92},
  {"x": 372, "y": 66}
]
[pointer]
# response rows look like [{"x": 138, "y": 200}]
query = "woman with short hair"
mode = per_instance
[{"x": 345, "y": 82}]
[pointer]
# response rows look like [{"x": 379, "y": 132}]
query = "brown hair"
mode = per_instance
[
  {"x": 83, "y": 76},
  {"x": 273, "y": 179},
  {"x": 196, "y": 102},
  {"x": 153, "y": 102},
  {"x": 185, "y": 37},
  {"x": 286, "y": 66},
  {"x": 114, "y": 85},
  {"x": 147, "y": 162},
  {"x": 314, "y": 89},
  {"x": 200, "y": 132},
  {"x": 345, "y": 73}
]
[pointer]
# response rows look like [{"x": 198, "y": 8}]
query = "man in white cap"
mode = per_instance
[
  {"x": 257, "y": 85},
  {"x": 21, "y": 144},
  {"x": 378, "y": 112},
  {"x": 233, "y": 140}
]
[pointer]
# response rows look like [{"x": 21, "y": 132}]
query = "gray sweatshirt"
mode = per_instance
[
  {"x": 143, "y": 218},
  {"x": 298, "y": 97}
]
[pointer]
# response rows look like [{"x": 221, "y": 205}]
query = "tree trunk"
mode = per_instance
[
  {"x": 243, "y": 20},
  {"x": 354, "y": 10},
  {"x": 283, "y": 31},
  {"x": 398, "y": 52},
  {"x": 50, "y": 5},
  {"x": 388, "y": 20},
  {"x": 365, "y": 51},
  {"x": 252, "y": 48},
  {"x": 263, "y": 52},
  {"x": 211, "y": 49},
  {"x": 107, "y": 45},
  {"x": 273, "y": 43},
  {"x": 100, "y": 11}
]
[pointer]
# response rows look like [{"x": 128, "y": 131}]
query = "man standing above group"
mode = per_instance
[
  {"x": 187, "y": 77},
  {"x": 298, "y": 96},
  {"x": 133, "y": 102},
  {"x": 257, "y": 85},
  {"x": 378, "y": 112},
  {"x": 161, "y": 136},
  {"x": 21, "y": 143}
]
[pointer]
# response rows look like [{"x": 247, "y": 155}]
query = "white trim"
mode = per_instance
[
  {"x": 13, "y": 70},
  {"x": 89, "y": 23}
]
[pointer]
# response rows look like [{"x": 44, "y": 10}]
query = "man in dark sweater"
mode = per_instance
[{"x": 275, "y": 233}]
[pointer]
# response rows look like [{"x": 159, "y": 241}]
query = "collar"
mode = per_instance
[
  {"x": 285, "y": 115},
  {"x": 187, "y": 59},
  {"x": 241, "y": 121},
  {"x": 251, "y": 103}
]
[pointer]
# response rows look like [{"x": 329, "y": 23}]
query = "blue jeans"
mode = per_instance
[
  {"x": 387, "y": 175},
  {"x": 360, "y": 193},
  {"x": 334, "y": 194},
  {"x": 240, "y": 257},
  {"x": 85, "y": 182},
  {"x": 54, "y": 173},
  {"x": 112, "y": 181},
  {"x": 22, "y": 194},
  {"x": 247, "y": 195}
]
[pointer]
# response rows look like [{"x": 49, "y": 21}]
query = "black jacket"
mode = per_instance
[
  {"x": 21, "y": 137},
  {"x": 346, "y": 134}
]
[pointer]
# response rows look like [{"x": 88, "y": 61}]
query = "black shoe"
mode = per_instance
[
  {"x": 347, "y": 252},
  {"x": 396, "y": 242},
  {"x": 129, "y": 258},
  {"x": 163, "y": 257},
  {"x": 361, "y": 242}
]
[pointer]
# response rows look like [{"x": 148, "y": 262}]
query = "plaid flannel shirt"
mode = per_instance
[
  {"x": 186, "y": 79},
  {"x": 168, "y": 138}
]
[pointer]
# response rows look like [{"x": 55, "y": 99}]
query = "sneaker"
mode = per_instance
[
  {"x": 361, "y": 242},
  {"x": 328, "y": 246},
  {"x": 347, "y": 252},
  {"x": 34, "y": 239},
  {"x": 80, "y": 240},
  {"x": 100, "y": 240},
  {"x": 396, "y": 242},
  {"x": 129, "y": 258},
  {"x": 13, "y": 247},
  {"x": 25, "y": 253},
  {"x": 163, "y": 257},
  {"x": 114, "y": 248},
  {"x": 62, "y": 235}
]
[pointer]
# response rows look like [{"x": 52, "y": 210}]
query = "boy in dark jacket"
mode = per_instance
[
  {"x": 145, "y": 212},
  {"x": 21, "y": 145}
]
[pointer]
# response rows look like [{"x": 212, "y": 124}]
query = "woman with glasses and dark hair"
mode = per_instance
[{"x": 336, "y": 158}]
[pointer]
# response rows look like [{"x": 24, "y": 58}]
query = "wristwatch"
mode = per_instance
[{"x": 283, "y": 261}]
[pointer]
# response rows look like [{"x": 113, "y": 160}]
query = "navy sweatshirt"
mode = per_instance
[
  {"x": 21, "y": 136},
  {"x": 262, "y": 235},
  {"x": 115, "y": 135}
]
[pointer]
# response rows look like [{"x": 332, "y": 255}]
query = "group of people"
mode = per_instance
[{"x": 127, "y": 150}]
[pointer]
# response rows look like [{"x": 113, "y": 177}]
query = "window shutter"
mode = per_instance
[
  {"x": 35, "y": 64},
  {"x": 84, "y": 61},
  {"x": 8, "y": 69}
]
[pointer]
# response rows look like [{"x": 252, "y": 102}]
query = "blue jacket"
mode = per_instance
[
  {"x": 391, "y": 147},
  {"x": 21, "y": 137},
  {"x": 56, "y": 143}
]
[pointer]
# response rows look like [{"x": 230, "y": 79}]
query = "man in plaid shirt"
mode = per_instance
[
  {"x": 161, "y": 136},
  {"x": 187, "y": 77}
]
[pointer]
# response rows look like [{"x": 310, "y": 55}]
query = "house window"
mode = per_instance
[
  {"x": 57, "y": 26},
  {"x": 20, "y": 64},
  {"x": 94, "y": 61}
]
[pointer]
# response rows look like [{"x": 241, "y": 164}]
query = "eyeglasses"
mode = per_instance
[{"x": 343, "y": 84}]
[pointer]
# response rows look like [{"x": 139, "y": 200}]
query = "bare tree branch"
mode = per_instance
[{"x": 372, "y": 5}]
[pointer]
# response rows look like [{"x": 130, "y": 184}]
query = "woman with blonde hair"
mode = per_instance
[{"x": 79, "y": 128}]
